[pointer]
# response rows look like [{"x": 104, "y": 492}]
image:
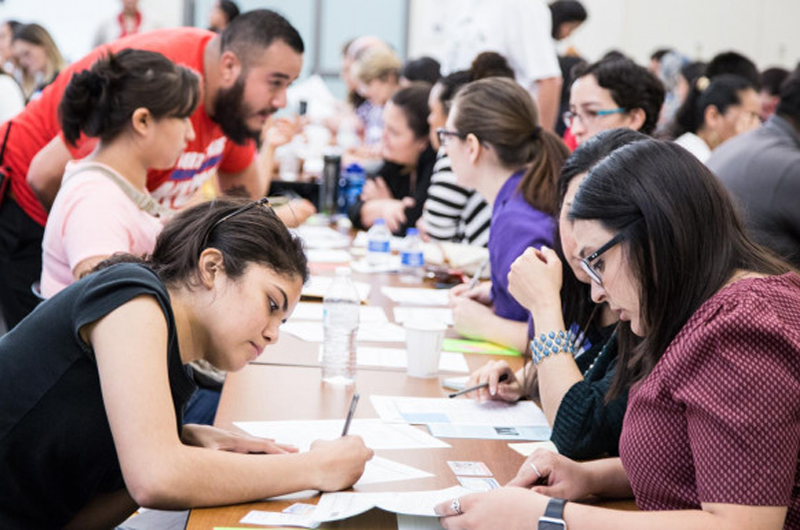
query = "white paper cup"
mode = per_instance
[{"x": 424, "y": 347}]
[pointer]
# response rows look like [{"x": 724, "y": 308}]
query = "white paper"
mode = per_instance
[
  {"x": 317, "y": 286},
  {"x": 313, "y": 311},
  {"x": 365, "y": 267},
  {"x": 341, "y": 505},
  {"x": 417, "y": 502},
  {"x": 425, "y": 314},
  {"x": 381, "y": 469},
  {"x": 416, "y": 522},
  {"x": 416, "y": 295},
  {"x": 487, "y": 432},
  {"x": 322, "y": 237},
  {"x": 376, "y": 434},
  {"x": 458, "y": 411},
  {"x": 265, "y": 518},
  {"x": 381, "y": 333},
  {"x": 322, "y": 255},
  {"x": 527, "y": 448},
  {"x": 313, "y": 331},
  {"x": 398, "y": 358}
]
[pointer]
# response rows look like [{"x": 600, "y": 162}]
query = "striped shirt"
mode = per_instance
[{"x": 453, "y": 213}]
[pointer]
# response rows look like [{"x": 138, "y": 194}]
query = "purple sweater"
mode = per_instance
[{"x": 516, "y": 225}]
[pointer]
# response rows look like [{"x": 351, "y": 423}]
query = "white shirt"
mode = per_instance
[
  {"x": 11, "y": 99},
  {"x": 520, "y": 30},
  {"x": 695, "y": 145}
]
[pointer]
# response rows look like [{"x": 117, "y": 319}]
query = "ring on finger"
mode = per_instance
[
  {"x": 535, "y": 470},
  {"x": 456, "y": 506}
]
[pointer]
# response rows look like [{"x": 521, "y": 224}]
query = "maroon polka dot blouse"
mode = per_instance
[{"x": 718, "y": 419}]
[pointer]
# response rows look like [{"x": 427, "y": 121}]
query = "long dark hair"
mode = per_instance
[
  {"x": 575, "y": 295},
  {"x": 253, "y": 235},
  {"x": 100, "y": 101},
  {"x": 683, "y": 239},
  {"x": 413, "y": 103},
  {"x": 501, "y": 113}
]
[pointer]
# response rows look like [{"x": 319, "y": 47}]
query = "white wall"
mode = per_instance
[
  {"x": 765, "y": 30},
  {"x": 73, "y": 23}
]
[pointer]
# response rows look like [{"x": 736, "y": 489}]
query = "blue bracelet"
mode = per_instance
[{"x": 551, "y": 344}]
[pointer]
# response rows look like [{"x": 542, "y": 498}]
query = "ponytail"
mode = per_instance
[
  {"x": 538, "y": 186},
  {"x": 99, "y": 102},
  {"x": 502, "y": 114}
]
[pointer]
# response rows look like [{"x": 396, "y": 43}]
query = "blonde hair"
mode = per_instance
[
  {"x": 38, "y": 36},
  {"x": 377, "y": 62}
]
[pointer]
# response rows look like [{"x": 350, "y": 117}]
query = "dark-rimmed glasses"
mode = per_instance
[
  {"x": 444, "y": 135},
  {"x": 586, "y": 263},
  {"x": 264, "y": 202}
]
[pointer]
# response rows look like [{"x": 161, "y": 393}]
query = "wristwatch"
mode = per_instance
[{"x": 553, "y": 518}]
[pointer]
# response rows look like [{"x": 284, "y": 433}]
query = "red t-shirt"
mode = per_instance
[
  {"x": 38, "y": 124},
  {"x": 718, "y": 419}
]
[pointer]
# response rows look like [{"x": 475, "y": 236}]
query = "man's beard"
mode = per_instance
[{"x": 230, "y": 113}]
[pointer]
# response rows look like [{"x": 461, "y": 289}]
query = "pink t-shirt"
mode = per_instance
[
  {"x": 91, "y": 217},
  {"x": 718, "y": 418}
]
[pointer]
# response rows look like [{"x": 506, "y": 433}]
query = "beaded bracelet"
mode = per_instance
[{"x": 551, "y": 344}]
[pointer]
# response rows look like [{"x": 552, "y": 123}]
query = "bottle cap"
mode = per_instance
[
  {"x": 380, "y": 221},
  {"x": 412, "y": 232}
]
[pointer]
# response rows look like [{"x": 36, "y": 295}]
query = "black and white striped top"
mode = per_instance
[{"x": 453, "y": 213}]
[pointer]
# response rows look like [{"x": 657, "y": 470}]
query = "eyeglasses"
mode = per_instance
[
  {"x": 444, "y": 135},
  {"x": 260, "y": 203},
  {"x": 588, "y": 116},
  {"x": 586, "y": 263}
]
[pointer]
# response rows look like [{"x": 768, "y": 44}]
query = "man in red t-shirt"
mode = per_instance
[{"x": 244, "y": 73}]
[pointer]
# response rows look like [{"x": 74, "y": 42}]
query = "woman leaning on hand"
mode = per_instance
[
  {"x": 552, "y": 285},
  {"x": 711, "y": 435}
]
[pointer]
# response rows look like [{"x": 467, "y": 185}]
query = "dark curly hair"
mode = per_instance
[{"x": 631, "y": 86}]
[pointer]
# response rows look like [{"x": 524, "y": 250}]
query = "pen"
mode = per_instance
[
  {"x": 503, "y": 377},
  {"x": 477, "y": 276},
  {"x": 353, "y": 403}
]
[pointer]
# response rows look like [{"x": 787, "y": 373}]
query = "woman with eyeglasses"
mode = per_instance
[
  {"x": 610, "y": 94},
  {"x": 711, "y": 436},
  {"x": 553, "y": 286},
  {"x": 497, "y": 147},
  {"x": 93, "y": 383}
]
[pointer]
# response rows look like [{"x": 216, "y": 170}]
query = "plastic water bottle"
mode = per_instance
[
  {"x": 351, "y": 184},
  {"x": 378, "y": 244},
  {"x": 340, "y": 309},
  {"x": 412, "y": 260}
]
